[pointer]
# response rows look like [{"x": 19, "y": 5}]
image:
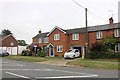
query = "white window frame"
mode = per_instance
[
  {"x": 40, "y": 40},
  {"x": 46, "y": 40},
  {"x": 59, "y": 48},
  {"x": 117, "y": 32},
  {"x": 56, "y": 37},
  {"x": 99, "y": 35},
  {"x": 75, "y": 36},
  {"x": 117, "y": 47}
]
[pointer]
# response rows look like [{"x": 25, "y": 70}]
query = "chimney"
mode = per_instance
[
  {"x": 111, "y": 20},
  {"x": 39, "y": 31}
]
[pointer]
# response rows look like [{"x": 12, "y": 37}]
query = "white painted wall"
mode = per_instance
[
  {"x": 13, "y": 50},
  {"x": 21, "y": 48}
]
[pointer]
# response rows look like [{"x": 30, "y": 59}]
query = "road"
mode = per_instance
[{"x": 12, "y": 69}]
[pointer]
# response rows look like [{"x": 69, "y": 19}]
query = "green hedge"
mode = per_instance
[{"x": 99, "y": 50}]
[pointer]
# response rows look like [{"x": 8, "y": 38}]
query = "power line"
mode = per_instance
[{"x": 78, "y": 4}]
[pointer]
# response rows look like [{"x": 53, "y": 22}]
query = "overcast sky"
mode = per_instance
[{"x": 24, "y": 18}]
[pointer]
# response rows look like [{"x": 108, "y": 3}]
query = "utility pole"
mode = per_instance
[{"x": 87, "y": 35}]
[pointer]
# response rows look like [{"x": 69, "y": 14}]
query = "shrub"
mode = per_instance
[
  {"x": 56, "y": 55},
  {"x": 99, "y": 50},
  {"x": 41, "y": 53},
  {"x": 26, "y": 53}
]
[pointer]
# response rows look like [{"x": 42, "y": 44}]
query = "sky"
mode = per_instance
[{"x": 24, "y": 18}]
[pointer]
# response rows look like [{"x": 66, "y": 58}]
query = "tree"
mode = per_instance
[
  {"x": 110, "y": 42},
  {"x": 6, "y": 32},
  {"x": 22, "y": 43}
]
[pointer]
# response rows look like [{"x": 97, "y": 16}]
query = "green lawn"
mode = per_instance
[
  {"x": 97, "y": 65},
  {"x": 30, "y": 58},
  {"x": 106, "y": 60}
]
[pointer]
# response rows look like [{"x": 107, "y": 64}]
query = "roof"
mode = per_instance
[
  {"x": 76, "y": 30},
  {"x": 56, "y": 27},
  {"x": 4, "y": 37},
  {"x": 41, "y": 35},
  {"x": 82, "y": 30}
]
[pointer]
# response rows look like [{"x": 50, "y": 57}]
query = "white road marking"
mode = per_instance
[
  {"x": 10, "y": 64},
  {"x": 27, "y": 69},
  {"x": 66, "y": 77},
  {"x": 54, "y": 77},
  {"x": 16, "y": 75}
]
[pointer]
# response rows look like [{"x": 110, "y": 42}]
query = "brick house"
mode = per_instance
[
  {"x": 9, "y": 43},
  {"x": 58, "y": 41}
]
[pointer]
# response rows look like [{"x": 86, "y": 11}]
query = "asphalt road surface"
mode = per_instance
[{"x": 19, "y": 70}]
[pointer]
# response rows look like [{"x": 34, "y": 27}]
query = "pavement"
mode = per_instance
[
  {"x": 19, "y": 70},
  {"x": 57, "y": 62}
]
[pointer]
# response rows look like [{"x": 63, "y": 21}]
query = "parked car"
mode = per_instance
[
  {"x": 72, "y": 53},
  {"x": 3, "y": 53}
]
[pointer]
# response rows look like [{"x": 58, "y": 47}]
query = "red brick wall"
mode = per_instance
[
  {"x": 63, "y": 41},
  {"x": 7, "y": 41},
  {"x": 92, "y": 36},
  {"x": 34, "y": 40},
  {"x": 81, "y": 41}
]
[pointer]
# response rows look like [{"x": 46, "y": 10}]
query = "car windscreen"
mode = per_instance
[{"x": 70, "y": 51}]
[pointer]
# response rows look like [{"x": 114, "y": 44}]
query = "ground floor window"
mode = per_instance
[
  {"x": 59, "y": 48},
  {"x": 117, "y": 47}
]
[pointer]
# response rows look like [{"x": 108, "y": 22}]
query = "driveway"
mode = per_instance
[{"x": 57, "y": 62}]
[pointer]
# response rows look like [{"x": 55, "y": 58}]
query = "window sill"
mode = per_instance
[{"x": 60, "y": 51}]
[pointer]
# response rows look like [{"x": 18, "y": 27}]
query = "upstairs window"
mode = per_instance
[
  {"x": 75, "y": 36},
  {"x": 59, "y": 48},
  {"x": 117, "y": 32},
  {"x": 40, "y": 40},
  {"x": 99, "y": 35},
  {"x": 56, "y": 37},
  {"x": 46, "y": 40}
]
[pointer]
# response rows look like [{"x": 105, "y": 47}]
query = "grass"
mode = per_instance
[
  {"x": 97, "y": 65},
  {"x": 105, "y": 60},
  {"x": 30, "y": 58}
]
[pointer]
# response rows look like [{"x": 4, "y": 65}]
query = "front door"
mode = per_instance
[{"x": 51, "y": 51}]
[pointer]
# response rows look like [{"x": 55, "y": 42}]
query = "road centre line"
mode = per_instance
[{"x": 17, "y": 75}]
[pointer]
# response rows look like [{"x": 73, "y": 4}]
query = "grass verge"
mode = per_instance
[
  {"x": 104, "y": 60},
  {"x": 30, "y": 58},
  {"x": 97, "y": 65}
]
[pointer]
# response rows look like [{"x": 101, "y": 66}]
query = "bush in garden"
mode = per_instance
[
  {"x": 41, "y": 53},
  {"x": 26, "y": 53},
  {"x": 100, "y": 50}
]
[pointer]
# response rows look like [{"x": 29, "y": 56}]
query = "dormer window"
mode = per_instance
[
  {"x": 99, "y": 35},
  {"x": 56, "y": 37}
]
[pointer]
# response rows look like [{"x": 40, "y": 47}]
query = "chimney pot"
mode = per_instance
[
  {"x": 39, "y": 31},
  {"x": 111, "y": 20}
]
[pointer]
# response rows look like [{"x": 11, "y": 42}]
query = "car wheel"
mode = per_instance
[{"x": 73, "y": 56}]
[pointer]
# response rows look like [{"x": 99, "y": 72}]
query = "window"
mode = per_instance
[
  {"x": 117, "y": 33},
  {"x": 40, "y": 40},
  {"x": 59, "y": 48},
  {"x": 56, "y": 37},
  {"x": 99, "y": 35},
  {"x": 117, "y": 47},
  {"x": 75, "y": 36},
  {"x": 46, "y": 40}
]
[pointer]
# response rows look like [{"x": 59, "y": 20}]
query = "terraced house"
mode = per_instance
[{"x": 58, "y": 40}]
